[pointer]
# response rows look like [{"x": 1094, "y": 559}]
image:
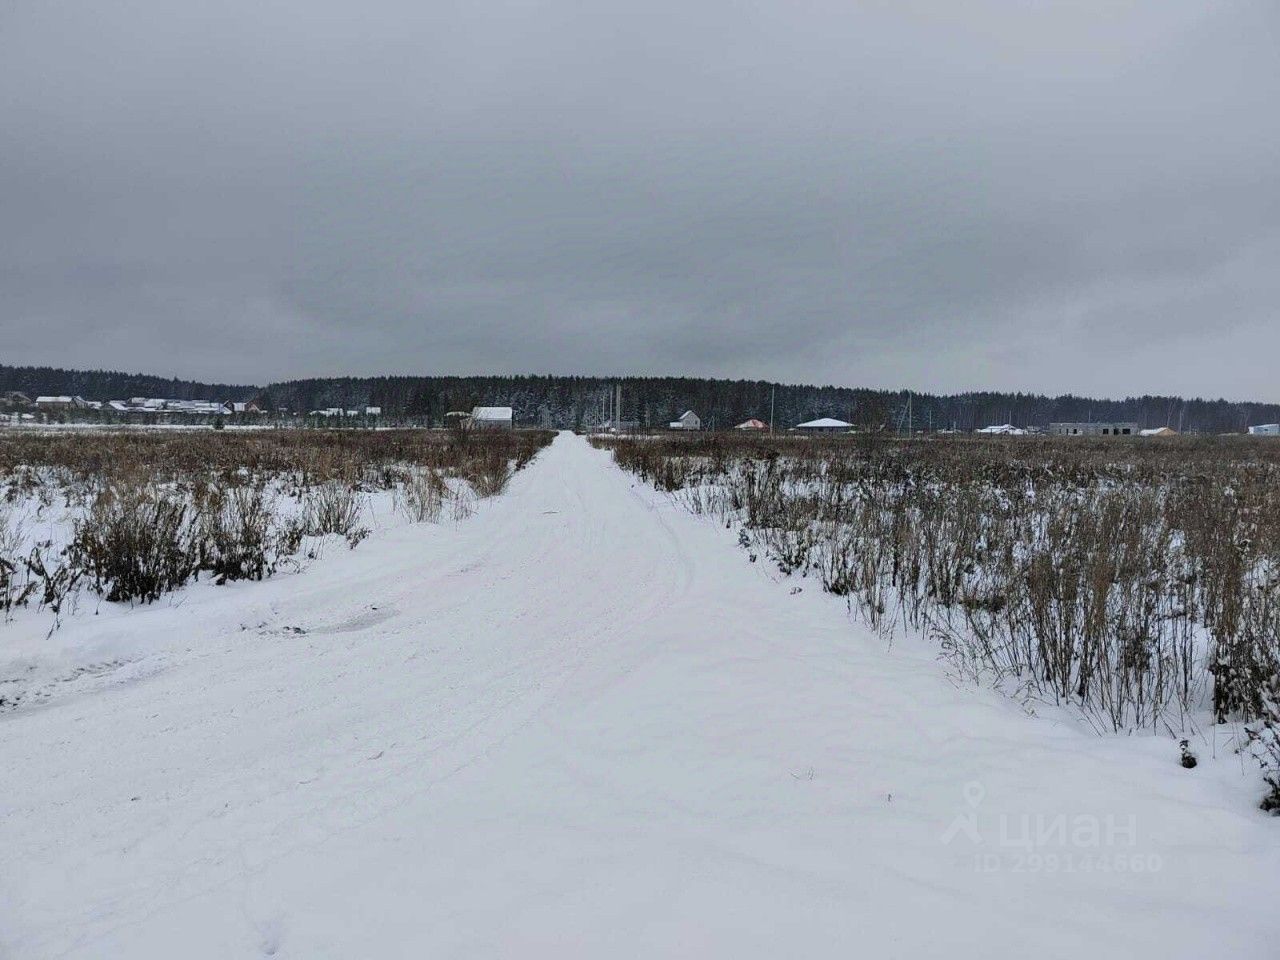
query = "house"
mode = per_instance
[
  {"x": 492, "y": 418},
  {"x": 1121, "y": 428},
  {"x": 373, "y": 411},
  {"x": 1002, "y": 429},
  {"x": 1265, "y": 430},
  {"x": 824, "y": 425},
  {"x": 687, "y": 421},
  {"x": 1158, "y": 432},
  {"x": 16, "y": 398},
  {"x": 60, "y": 403},
  {"x": 752, "y": 424},
  {"x": 200, "y": 408},
  {"x": 207, "y": 408},
  {"x": 246, "y": 407},
  {"x": 160, "y": 405}
]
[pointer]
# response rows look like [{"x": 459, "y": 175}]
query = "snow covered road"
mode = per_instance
[{"x": 580, "y": 723}]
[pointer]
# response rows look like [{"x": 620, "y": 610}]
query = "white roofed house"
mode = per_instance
[
  {"x": 1265, "y": 430},
  {"x": 687, "y": 421},
  {"x": 492, "y": 418},
  {"x": 198, "y": 408},
  {"x": 1002, "y": 429},
  {"x": 60, "y": 402},
  {"x": 824, "y": 425}
]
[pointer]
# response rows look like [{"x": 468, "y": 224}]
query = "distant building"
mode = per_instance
[
  {"x": 1098, "y": 429},
  {"x": 824, "y": 425},
  {"x": 61, "y": 403},
  {"x": 373, "y": 411},
  {"x": 172, "y": 408},
  {"x": 1158, "y": 432},
  {"x": 206, "y": 408},
  {"x": 492, "y": 418},
  {"x": 752, "y": 424},
  {"x": 1265, "y": 430},
  {"x": 687, "y": 421},
  {"x": 1002, "y": 429}
]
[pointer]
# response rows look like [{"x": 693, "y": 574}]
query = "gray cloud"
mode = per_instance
[{"x": 1053, "y": 196}]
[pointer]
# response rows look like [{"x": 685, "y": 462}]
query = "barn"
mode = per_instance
[{"x": 492, "y": 418}]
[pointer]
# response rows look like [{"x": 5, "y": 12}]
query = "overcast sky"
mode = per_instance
[{"x": 1051, "y": 196}]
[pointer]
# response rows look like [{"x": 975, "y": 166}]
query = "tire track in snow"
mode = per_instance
[{"x": 513, "y": 651}]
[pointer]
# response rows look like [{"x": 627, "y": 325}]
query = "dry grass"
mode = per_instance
[
  {"x": 234, "y": 458},
  {"x": 1139, "y": 580},
  {"x": 153, "y": 510}
]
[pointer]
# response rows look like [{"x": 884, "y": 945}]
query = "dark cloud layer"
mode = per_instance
[{"x": 1047, "y": 196}]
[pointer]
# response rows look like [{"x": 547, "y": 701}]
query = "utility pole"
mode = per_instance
[{"x": 773, "y": 395}]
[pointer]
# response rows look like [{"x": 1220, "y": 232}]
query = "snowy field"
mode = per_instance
[{"x": 579, "y": 723}]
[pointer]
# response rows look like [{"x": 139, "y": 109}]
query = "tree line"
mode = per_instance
[
  {"x": 575, "y": 402},
  {"x": 114, "y": 385}
]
